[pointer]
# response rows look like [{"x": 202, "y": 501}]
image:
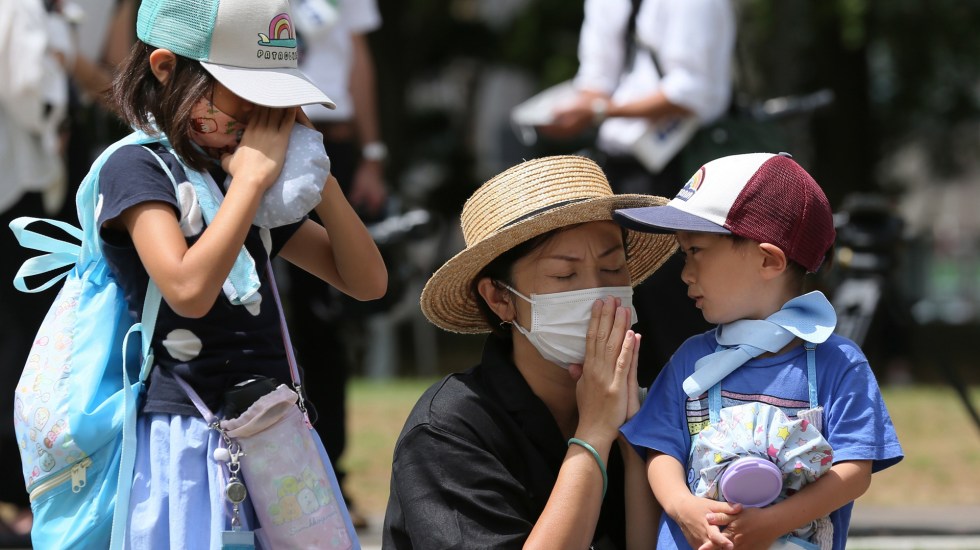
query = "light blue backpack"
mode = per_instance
[{"x": 75, "y": 404}]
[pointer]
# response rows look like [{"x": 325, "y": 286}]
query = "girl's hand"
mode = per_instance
[
  {"x": 301, "y": 118},
  {"x": 260, "y": 155},
  {"x": 601, "y": 392}
]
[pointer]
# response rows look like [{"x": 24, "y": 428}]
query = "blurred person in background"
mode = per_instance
[
  {"x": 335, "y": 54},
  {"x": 103, "y": 31},
  {"x": 39, "y": 72},
  {"x": 651, "y": 72}
]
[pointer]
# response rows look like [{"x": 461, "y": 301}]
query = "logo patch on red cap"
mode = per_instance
[{"x": 691, "y": 186}]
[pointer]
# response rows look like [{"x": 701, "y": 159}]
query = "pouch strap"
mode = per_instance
[
  {"x": 209, "y": 416},
  {"x": 290, "y": 357}
]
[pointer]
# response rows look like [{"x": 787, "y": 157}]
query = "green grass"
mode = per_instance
[
  {"x": 941, "y": 444},
  {"x": 377, "y": 410}
]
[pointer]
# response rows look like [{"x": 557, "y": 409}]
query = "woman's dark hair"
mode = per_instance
[
  {"x": 144, "y": 102},
  {"x": 500, "y": 272}
]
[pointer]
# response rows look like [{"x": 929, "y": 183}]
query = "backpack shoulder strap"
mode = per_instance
[{"x": 127, "y": 460}]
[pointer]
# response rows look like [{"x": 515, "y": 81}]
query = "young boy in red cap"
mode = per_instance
[{"x": 751, "y": 227}]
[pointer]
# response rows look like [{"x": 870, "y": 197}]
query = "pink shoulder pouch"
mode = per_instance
[
  {"x": 286, "y": 472},
  {"x": 296, "y": 500}
]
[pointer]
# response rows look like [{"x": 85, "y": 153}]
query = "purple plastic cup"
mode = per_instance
[{"x": 750, "y": 481}]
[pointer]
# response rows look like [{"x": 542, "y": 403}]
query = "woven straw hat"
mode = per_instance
[{"x": 525, "y": 201}]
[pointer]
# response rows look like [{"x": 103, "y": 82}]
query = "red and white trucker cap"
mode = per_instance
[{"x": 765, "y": 197}]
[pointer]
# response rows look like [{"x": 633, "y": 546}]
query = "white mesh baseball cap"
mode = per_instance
[{"x": 249, "y": 46}]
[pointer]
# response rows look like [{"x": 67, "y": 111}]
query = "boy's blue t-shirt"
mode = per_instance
[{"x": 856, "y": 422}]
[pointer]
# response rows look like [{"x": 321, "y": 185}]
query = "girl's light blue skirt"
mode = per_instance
[{"x": 178, "y": 498}]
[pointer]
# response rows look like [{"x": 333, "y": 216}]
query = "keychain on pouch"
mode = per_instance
[{"x": 235, "y": 493}]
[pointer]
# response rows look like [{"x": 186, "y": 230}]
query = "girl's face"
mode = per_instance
[{"x": 219, "y": 120}]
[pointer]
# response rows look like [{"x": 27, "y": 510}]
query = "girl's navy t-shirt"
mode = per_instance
[{"x": 230, "y": 343}]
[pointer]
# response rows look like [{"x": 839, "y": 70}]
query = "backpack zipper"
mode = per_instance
[{"x": 76, "y": 474}]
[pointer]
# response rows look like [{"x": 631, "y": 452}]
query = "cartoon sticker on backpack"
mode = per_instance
[{"x": 40, "y": 420}]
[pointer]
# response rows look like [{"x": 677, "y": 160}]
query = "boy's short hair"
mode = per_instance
[{"x": 760, "y": 196}]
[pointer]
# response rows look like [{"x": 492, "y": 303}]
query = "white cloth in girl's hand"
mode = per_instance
[{"x": 297, "y": 189}]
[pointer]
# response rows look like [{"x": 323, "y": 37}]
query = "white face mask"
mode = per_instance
[{"x": 560, "y": 321}]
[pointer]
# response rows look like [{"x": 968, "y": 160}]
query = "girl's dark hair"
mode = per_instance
[
  {"x": 144, "y": 102},
  {"x": 500, "y": 272}
]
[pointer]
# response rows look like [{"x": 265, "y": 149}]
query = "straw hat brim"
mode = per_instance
[{"x": 447, "y": 300}]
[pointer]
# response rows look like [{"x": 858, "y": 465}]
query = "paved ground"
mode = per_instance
[
  {"x": 919, "y": 520},
  {"x": 872, "y": 528}
]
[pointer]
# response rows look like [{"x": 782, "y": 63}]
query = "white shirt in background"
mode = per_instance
[
  {"x": 694, "y": 42},
  {"x": 33, "y": 102},
  {"x": 327, "y": 55}
]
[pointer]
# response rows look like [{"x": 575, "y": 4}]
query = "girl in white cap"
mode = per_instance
[{"x": 213, "y": 88}]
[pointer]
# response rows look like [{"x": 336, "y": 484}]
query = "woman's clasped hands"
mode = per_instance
[{"x": 606, "y": 390}]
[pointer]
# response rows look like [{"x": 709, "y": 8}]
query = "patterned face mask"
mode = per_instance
[{"x": 214, "y": 130}]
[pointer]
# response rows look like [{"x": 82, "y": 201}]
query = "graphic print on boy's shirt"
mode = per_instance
[{"x": 697, "y": 408}]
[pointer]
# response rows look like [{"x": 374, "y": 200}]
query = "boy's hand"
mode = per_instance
[
  {"x": 748, "y": 529},
  {"x": 692, "y": 514}
]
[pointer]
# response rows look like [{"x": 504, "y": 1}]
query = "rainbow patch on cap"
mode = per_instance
[
  {"x": 281, "y": 31},
  {"x": 691, "y": 186}
]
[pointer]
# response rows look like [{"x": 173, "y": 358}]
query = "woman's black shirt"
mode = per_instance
[{"x": 476, "y": 461}]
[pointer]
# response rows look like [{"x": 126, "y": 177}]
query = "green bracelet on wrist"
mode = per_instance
[{"x": 598, "y": 460}]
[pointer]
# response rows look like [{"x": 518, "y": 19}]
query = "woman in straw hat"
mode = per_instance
[{"x": 519, "y": 450}]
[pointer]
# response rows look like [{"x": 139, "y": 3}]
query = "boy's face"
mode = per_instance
[{"x": 722, "y": 278}]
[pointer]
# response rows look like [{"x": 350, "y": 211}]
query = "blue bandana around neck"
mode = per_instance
[{"x": 810, "y": 317}]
